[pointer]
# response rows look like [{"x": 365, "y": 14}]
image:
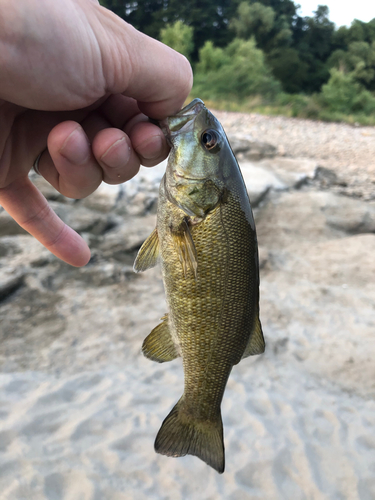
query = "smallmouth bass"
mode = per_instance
[{"x": 206, "y": 242}]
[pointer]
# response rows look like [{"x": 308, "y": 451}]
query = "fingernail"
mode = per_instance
[
  {"x": 117, "y": 155},
  {"x": 76, "y": 147},
  {"x": 151, "y": 148}
]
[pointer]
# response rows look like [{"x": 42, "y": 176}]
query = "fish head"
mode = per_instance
[{"x": 200, "y": 161}]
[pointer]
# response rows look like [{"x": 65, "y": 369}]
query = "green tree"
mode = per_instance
[
  {"x": 253, "y": 19},
  {"x": 313, "y": 42},
  {"x": 211, "y": 58},
  {"x": 359, "y": 60},
  {"x": 288, "y": 68},
  {"x": 179, "y": 37},
  {"x": 208, "y": 18},
  {"x": 233, "y": 73},
  {"x": 344, "y": 94}
]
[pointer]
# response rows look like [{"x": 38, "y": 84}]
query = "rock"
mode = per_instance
[
  {"x": 105, "y": 198},
  {"x": 9, "y": 246},
  {"x": 81, "y": 219},
  {"x": 293, "y": 172},
  {"x": 327, "y": 178},
  {"x": 308, "y": 217},
  {"x": 103, "y": 273},
  {"x": 349, "y": 215},
  {"x": 10, "y": 282},
  {"x": 278, "y": 174},
  {"x": 121, "y": 242},
  {"x": 251, "y": 149},
  {"x": 9, "y": 226},
  {"x": 139, "y": 195},
  {"x": 259, "y": 181}
]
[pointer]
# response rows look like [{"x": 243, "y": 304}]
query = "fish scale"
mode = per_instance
[{"x": 206, "y": 241}]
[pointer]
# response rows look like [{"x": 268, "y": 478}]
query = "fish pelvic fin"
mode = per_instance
[
  {"x": 148, "y": 254},
  {"x": 158, "y": 345},
  {"x": 182, "y": 434},
  {"x": 256, "y": 344}
]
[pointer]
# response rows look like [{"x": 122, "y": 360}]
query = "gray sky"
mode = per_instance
[{"x": 341, "y": 12}]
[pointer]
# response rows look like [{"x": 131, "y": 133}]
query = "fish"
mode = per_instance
[{"x": 205, "y": 239}]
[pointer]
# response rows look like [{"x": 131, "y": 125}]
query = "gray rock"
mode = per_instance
[
  {"x": 259, "y": 181},
  {"x": 278, "y": 174},
  {"x": 293, "y": 172},
  {"x": 9, "y": 246},
  {"x": 104, "y": 199},
  {"x": 349, "y": 215},
  {"x": 121, "y": 242},
  {"x": 327, "y": 178},
  {"x": 310, "y": 217},
  {"x": 9, "y": 226},
  {"x": 251, "y": 149},
  {"x": 82, "y": 219},
  {"x": 10, "y": 282}
]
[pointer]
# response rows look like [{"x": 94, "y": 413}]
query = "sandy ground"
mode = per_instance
[{"x": 80, "y": 406}]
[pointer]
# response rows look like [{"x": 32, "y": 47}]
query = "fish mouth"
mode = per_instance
[
  {"x": 182, "y": 121},
  {"x": 193, "y": 108}
]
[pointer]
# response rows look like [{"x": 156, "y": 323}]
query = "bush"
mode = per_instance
[
  {"x": 235, "y": 72},
  {"x": 344, "y": 94},
  {"x": 179, "y": 37}
]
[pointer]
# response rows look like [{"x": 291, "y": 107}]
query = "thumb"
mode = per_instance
[{"x": 138, "y": 66}]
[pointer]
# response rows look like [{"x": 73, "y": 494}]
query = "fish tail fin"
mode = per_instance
[{"x": 181, "y": 434}]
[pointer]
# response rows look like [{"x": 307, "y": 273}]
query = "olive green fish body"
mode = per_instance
[{"x": 206, "y": 241}]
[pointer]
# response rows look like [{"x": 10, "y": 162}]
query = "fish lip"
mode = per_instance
[
  {"x": 193, "y": 108},
  {"x": 182, "y": 121}
]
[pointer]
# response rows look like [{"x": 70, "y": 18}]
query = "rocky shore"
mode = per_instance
[{"x": 80, "y": 406}]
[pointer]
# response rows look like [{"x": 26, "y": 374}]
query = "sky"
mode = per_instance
[{"x": 341, "y": 12}]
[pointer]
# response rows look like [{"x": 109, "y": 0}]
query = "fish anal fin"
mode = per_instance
[
  {"x": 158, "y": 345},
  {"x": 181, "y": 434},
  {"x": 256, "y": 344},
  {"x": 148, "y": 253},
  {"x": 185, "y": 247}
]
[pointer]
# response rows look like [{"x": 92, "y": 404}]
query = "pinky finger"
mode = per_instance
[{"x": 30, "y": 210}]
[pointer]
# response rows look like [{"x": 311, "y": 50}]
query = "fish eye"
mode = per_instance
[{"x": 210, "y": 139}]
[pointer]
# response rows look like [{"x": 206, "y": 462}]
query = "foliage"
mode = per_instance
[
  {"x": 235, "y": 72},
  {"x": 359, "y": 60},
  {"x": 208, "y": 18},
  {"x": 312, "y": 39},
  {"x": 253, "y": 20},
  {"x": 344, "y": 94},
  {"x": 179, "y": 37},
  {"x": 288, "y": 68},
  {"x": 247, "y": 51}
]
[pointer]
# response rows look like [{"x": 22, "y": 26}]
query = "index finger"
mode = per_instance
[{"x": 30, "y": 209}]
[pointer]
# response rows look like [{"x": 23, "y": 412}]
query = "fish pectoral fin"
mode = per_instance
[
  {"x": 148, "y": 254},
  {"x": 256, "y": 344},
  {"x": 159, "y": 346},
  {"x": 185, "y": 247}
]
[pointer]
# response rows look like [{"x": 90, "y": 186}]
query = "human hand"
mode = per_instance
[{"x": 78, "y": 80}]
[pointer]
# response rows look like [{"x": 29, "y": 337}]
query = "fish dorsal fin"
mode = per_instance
[
  {"x": 148, "y": 254},
  {"x": 159, "y": 345},
  {"x": 256, "y": 344},
  {"x": 185, "y": 248}
]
